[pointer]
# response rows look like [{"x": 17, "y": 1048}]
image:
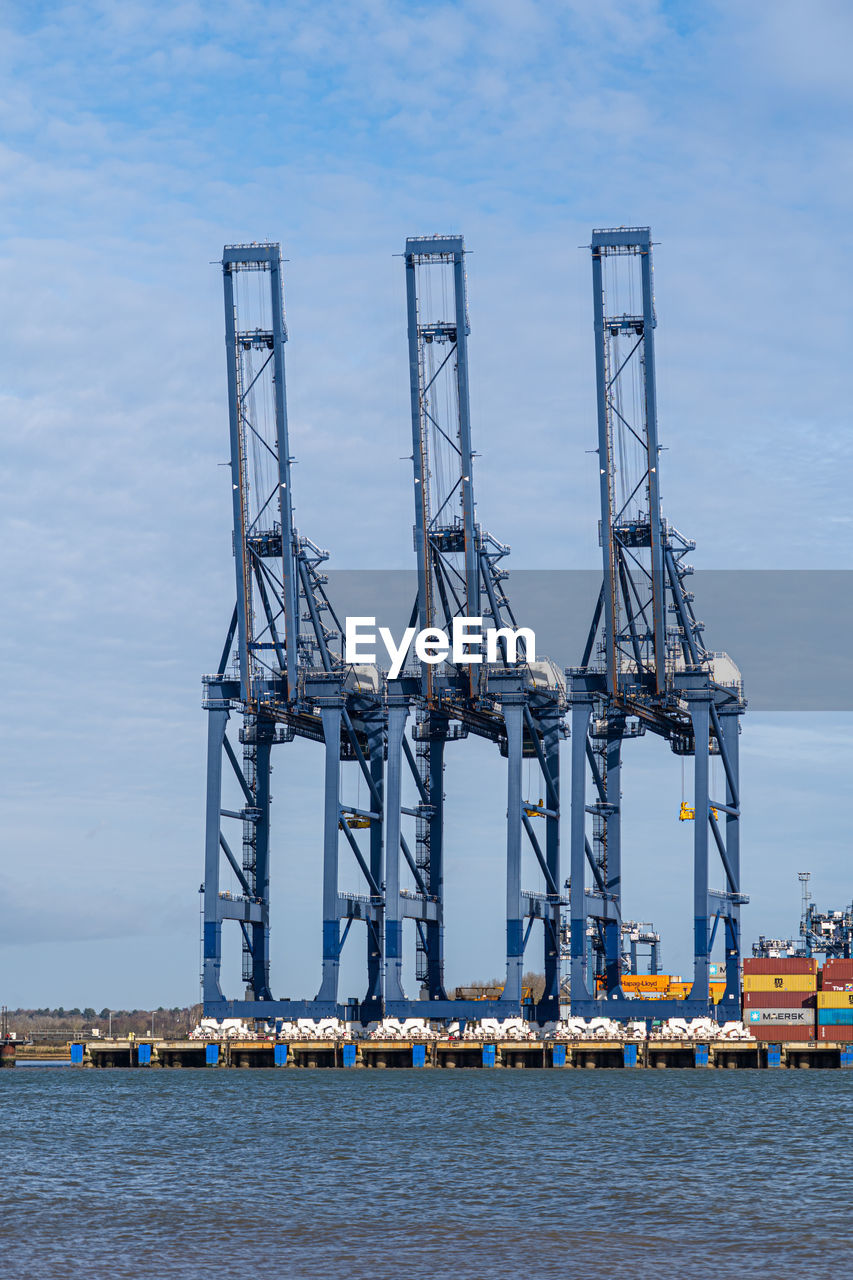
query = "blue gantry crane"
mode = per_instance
[
  {"x": 516, "y": 701},
  {"x": 645, "y": 667},
  {"x": 283, "y": 677},
  {"x": 287, "y": 681}
]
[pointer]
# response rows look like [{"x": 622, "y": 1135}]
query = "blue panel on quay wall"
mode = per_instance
[
  {"x": 488, "y": 1055},
  {"x": 701, "y": 1055},
  {"x": 77, "y": 1054},
  {"x": 211, "y": 1054},
  {"x": 418, "y": 1055},
  {"x": 629, "y": 1055},
  {"x": 280, "y": 1055},
  {"x": 144, "y": 1055},
  {"x": 559, "y": 1058},
  {"x": 349, "y": 1055}
]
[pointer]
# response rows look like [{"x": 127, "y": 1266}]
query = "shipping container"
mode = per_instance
[
  {"x": 779, "y": 982},
  {"x": 780, "y": 1035},
  {"x": 841, "y": 1034},
  {"x": 835, "y": 1017},
  {"x": 782, "y": 964},
  {"x": 657, "y": 982},
  {"x": 835, "y": 999},
  {"x": 779, "y": 1000},
  {"x": 836, "y": 984},
  {"x": 779, "y": 1017},
  {"x": 838, "y": 968}
]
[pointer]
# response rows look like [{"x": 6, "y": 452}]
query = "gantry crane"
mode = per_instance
[
  {"x": 288, "y": 679},
  {"x": 517, "y": 702},
  {"x": 645, "y": 667}
]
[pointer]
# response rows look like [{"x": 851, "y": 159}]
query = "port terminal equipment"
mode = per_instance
[
  {"x": 281, "y": 676},
  {"x": 645, "y": 667},
  {"x": 828, "y": 933},
  {"x": 518, "y": 702}
]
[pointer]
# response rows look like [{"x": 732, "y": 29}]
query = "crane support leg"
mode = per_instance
[
  {"x": 513, "y": 713},
  {"x": 581, "y": 712},
  {"x": 549, "y": 1005},
  {"x": 397, "y": 716},
  {"x": 613, "y": 875},
  {"x": 375, "y": 727},
  {"x": 217, "y": 720},
  {"x": 700, "y": 715},
  {"x": 435, "y": 871},
  {"x": 730, "y": 725},
  {"x": 260, "y": 930},
  {"x": 331, "y": 717}
]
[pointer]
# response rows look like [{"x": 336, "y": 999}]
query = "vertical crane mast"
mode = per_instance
[
  {"x": 264, "y": 551},
  {"x": 447, "y": 540},
  {"x": 631, "y": 533},
  {"x": 513, "y": 705},
  {"x": 636, "y": 674},
  {"x": 290, "y": 679},
  {"x": 266, "y": 614}
]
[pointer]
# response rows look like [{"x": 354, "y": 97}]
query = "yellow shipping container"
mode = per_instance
[
  {"x": 780, "y": 982},
  {"x": 835, "y": 999}
]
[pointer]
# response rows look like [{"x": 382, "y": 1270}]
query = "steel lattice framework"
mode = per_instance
[
  {"x": 645, "y": 666},
  {"x": 516, "y": 703},
  {"x": 287, "y": 679},
  {"x": 282, "y": 676}
]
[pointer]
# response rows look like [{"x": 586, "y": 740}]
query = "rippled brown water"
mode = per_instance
[{"x": 385, "y": 1175}]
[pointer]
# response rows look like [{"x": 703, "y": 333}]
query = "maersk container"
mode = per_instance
[{"x": 779, "y": 1017}]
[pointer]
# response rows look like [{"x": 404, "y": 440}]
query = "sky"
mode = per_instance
[{"x": 137, "y": 139}]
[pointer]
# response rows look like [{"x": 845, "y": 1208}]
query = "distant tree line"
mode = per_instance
[{"x": 50, "y": 1024}]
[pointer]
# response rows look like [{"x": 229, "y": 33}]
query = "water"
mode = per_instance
[{"x": 443, "y": 1174}]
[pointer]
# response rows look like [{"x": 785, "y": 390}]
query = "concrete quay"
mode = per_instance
[{"x": 449, "y": 1054}]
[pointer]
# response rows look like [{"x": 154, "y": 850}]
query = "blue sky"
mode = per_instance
[{"x": 137, "y": 139}]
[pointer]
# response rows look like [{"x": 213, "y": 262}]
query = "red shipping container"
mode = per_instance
[
  {"x": 779, "y": 999},
  {"x": 837, "y": 1034},
  {"x": 782, "y": 1035},
  {"x": 782, "y": 964},
  {"x": 837, "y": 975}
]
